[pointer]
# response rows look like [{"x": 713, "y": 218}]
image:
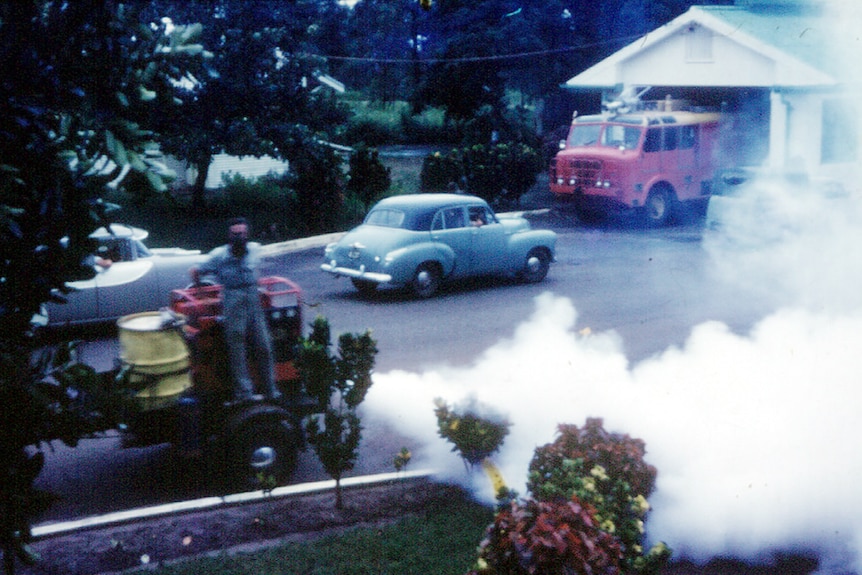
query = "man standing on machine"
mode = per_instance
[{"x": 234, "y": 266}]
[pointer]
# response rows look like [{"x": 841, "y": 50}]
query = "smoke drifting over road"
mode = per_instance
[{"x": 755, "y": 436}]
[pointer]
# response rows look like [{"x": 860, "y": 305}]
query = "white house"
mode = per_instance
[{"x": 786, "y": 68}]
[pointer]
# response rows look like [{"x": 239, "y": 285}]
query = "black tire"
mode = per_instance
[
  {"x": 536, "y": 266},
  {"x": 261, "y": 450},
  {"x": 658, "y": 209},
  {"x": 364, "y": 287},
  {"x": 426, "y": 281}
]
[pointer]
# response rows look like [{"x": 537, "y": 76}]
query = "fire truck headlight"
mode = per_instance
[
  {"x": 573, "y": 181},
  {"x": 606, "y": 184}
]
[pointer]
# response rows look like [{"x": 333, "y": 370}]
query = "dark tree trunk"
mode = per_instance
[{"x": 202, "y": 162}]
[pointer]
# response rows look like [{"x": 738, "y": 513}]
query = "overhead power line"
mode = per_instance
[{"x": 466, "y": 59}]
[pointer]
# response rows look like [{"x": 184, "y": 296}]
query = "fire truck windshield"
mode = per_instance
[{"x": 624, "y": 137}]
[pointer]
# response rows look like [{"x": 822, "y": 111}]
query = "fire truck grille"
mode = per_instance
[{"x": 586, "y": 170}]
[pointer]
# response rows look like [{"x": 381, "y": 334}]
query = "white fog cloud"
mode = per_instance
[{"x": 755, "y": 436}]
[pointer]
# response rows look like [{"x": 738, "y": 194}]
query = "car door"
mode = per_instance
[
  {"x": 450, "y": 227},
  {"x": 488, "y": 245},
  {"x": 127, "y": 287}
]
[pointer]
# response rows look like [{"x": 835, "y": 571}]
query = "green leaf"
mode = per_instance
[
  {"x": 146, "y": 95},
  {"x": 156, "y": 182}
]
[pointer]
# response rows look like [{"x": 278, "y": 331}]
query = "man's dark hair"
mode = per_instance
[{"x": 236, "y": 221}]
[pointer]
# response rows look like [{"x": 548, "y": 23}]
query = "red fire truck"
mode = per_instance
[{"x": 652, "y": 157}]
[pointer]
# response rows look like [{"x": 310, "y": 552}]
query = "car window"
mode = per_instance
[
  {"x": 141, "y": 250},
  {"x": 449, "y": 218},
  {"x": 480, "y": 216},
  {"x": 386, "y": 218}
]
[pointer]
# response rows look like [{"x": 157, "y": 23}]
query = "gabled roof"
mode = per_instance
[{"x": 789, "y": 40}]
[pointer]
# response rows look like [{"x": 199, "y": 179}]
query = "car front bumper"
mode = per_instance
[{"x": 359, "y": 274}]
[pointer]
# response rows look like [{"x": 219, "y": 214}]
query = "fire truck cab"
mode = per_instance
[{"x": 651, "y": 157}]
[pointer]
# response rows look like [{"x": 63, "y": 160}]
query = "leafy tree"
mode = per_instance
[
  {"x": 256, "y": 97},
  {"x": 339, "y": 383},
  {"x": 79, "y": 82}
]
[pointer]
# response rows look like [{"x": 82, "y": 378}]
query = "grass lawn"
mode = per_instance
[{"x": 441, "y": 541}]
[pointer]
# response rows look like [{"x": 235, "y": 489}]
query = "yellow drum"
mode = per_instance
[{"x": 153, "y": 346}]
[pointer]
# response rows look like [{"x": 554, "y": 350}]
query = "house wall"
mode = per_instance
[
  {"x": 225, "y": 165},
  {"x": 673, "y": 62}
]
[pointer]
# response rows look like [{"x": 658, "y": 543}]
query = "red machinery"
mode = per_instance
[
  {"x": 281, "y": 300},
  {"x": 253, "y": 441}
]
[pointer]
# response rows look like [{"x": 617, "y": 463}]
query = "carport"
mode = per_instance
[{"x": 776, "y": 65}]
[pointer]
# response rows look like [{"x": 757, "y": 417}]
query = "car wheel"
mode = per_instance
[
  {"x": 261, "y": 450},
  {"x": 426, "y": 281},
  {"x": 536, "y": 265},
  {"x": 364, "y": 287},
  {"x": 658, "y": 207}
]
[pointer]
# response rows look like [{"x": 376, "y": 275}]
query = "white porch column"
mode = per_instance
[{"x": 777, "y": 131}]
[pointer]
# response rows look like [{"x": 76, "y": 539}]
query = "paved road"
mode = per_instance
[{"x": 650, "y": 287}]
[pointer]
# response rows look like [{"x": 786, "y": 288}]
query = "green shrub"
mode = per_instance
[
  {"x": 369, "y": 178},
  {"x": 318, "y": 183},
  {"x": 474, "y": 431},
  {"x": 440, "y": 170},
  {"x": 499, "y": 173}
]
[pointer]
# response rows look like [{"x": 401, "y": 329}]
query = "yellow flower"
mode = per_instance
[
  {"x": 640, "y": 525},
  {"x": 589, "y": 484},
  {"x": 608, "y": 526},
  {"x": 640, "y": 505},
  {"x": 637, "y": 549},
  {"x": 599, "y": 473}
]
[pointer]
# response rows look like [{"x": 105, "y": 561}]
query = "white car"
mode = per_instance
[{"x": 138, "y": 279}]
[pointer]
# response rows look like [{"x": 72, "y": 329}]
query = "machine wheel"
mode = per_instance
[
  {"x": 536, "y": 266},
  {"x": 262, "y": 447},
  {"x": 426, "y": 281},
  {"x": 364, "y": 287},
  {"x": 658, "y": 207}
]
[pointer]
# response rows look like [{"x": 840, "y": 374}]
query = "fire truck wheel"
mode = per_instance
[
  {"x": 536, "y": 265},
  {"x": 261, "y": 452},
  {"x": 658, "y": 207}
]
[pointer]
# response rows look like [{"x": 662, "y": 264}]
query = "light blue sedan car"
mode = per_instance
[{"x": 419, "y": 240}]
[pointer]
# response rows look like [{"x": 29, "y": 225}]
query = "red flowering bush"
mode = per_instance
[
  {"x": 608, "y": 471},
  {"x": 621, "y": 456},
  {"x": 586, "y": 511},
  {"x": 547, "y": 538}
]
